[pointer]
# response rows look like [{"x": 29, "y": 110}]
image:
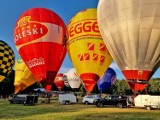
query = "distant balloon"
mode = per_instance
[
  {"x": 23, "y": 76},
  {"x": 40, "y": 36},
  {"x": 73, "y": 79},
  {"x": 7, "y": 60},
  {"x": 131, "y": 32},
  {"x": 107, "y": 80},
  {"x": 86, "y": 48},
  {"x": 65, "y": 80},
  {"x": 59, "y": 82}
]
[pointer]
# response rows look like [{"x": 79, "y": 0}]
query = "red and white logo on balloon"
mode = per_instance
[{"x": 27, "y": 28}]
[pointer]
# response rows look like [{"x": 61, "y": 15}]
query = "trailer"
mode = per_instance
[
  {"x": 66, "y": 99},
  {"x": 147, "y": 101}
]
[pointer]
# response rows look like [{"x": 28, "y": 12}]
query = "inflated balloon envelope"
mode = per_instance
[
  {"x": 59, "y": 81},
  {"x": 86, "y": 48},
  {"x": 107, "y": 80},
  {"x": 40, "y": 37},
  {"x": 131, "y": 32},
  {"x": 7, "y": 59},
  {"x": 73, "y": 79},
  {"x": 23, "y": 76}
]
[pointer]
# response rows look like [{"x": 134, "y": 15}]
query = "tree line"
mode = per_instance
[{"x": 120, "y": 87}]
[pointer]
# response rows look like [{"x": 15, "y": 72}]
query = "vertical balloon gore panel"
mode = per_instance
[
  {"x": 137, "y": 79},
  {"x": 89, "y": 81}
]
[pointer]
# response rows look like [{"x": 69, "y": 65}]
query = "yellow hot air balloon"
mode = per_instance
[
  {"x": 6, "y": 60},
  {"x": 86, "y": 48},
  {"x": 23, "y": 76}
]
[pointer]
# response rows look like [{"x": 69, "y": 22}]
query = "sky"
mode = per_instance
[{"x": 10, "y": 10}]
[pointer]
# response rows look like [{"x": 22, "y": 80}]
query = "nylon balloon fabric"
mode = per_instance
[
  {"x": 23, "y": 76},
  {"x": 7, "y": 59},
  {"x": 131, "y": 32},
  {"x": 86, "y": 48},
  {"x": 40, "y": 37}
]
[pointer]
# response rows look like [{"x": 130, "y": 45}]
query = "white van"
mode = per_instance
[{"x": 66, "y": 99}]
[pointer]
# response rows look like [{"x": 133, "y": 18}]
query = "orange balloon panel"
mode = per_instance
[
  {"x": 86, "y": 48},
  {"x": 40, "y": 36},
  {"x": 23, "y": 76}
]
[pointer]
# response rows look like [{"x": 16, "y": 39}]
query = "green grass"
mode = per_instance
[{"x": 55, "y": 111}]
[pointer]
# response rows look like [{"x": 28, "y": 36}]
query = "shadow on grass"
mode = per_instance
[{"x": 119, "y": 116}]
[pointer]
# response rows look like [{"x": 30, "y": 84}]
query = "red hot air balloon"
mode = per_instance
[
  {"x": 59, "y": 81},
  {"x": 40, "y": 36}
]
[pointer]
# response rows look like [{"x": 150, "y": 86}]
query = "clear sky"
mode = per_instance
[{"x": 10, "y": 10}]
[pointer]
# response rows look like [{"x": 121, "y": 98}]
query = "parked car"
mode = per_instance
[
  {"x": 114, "y": 100},
  {"x": 24, "y": 99},
  {"x": 89, "y": 99},
  {"x": 17, "y": 100}
]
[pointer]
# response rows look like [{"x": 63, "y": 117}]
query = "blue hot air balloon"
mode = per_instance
[{"x": 107, "y": 80}]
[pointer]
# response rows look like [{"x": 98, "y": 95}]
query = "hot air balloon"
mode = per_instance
[
  {"x": 131, "y": 32},
  {"x": 23, "y": 76},
  {"x": 65, "y": 80},
  {"x": 40, "y": 36},
  {"x": 7, "y": 60},
  {"x": 59, "y": 82},
  {"x": 107, "y": 80},
  {"x": 86, "y": 48},
  {"x": 73, "y": 79}
]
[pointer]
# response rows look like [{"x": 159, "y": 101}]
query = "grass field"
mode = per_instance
[{"x": 55, "y": 111}]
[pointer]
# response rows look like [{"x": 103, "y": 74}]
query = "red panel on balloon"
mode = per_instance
[
  {"x": 89, "y": 81},
  {"x": 137, "y": 79},
  {"x": 136, "y": 74},
  {"x": 42, "y": 59},
  {"x": 136, "y": 86}
]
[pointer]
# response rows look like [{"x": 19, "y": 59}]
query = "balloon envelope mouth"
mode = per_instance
[
  {"x": 137, "y": 85},
  {"x": 89, "y": 81},
  {"x": 137, "y": 79}
]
